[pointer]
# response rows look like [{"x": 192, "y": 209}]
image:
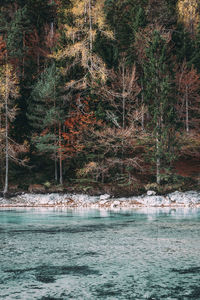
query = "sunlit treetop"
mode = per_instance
[{"x": 189, "y": 15}]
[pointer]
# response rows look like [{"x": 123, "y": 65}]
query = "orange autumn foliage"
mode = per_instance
[
  {"x": 2, "y": 47},
  {"x": 187, "y": 82},
  {"x": 77, "y": 125}
]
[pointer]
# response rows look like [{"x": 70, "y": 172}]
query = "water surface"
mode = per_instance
[{"x": 98, "y": 254}]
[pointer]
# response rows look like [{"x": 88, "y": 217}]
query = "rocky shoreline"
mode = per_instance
[{"x": 150, "y": 199}]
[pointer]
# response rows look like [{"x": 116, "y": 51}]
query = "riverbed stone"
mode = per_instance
[
  {"x": 102, "y": 202},
  {"x": 153, "y": 200},
  {"x": 104, "y": 197},
  {"x": 189, "y": 198},
  {"x": 151, "y": 193},
  {"x": 115, "y": 203}
]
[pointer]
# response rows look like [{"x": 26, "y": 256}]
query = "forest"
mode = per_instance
[{"x": 99, "y": 95}]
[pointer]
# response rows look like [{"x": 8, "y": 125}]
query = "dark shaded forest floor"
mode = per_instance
[{"x": 186, "y": 169}]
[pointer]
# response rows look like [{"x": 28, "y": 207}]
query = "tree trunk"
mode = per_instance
[
  {"x": 52, "y": 29},
  {"x": 187, "y": 111},
  {"x": 90, "y": 34},
  {"x": 123, "y": 112},
  {"x": 123, "y": 96},
  {"x": 60, "y": 155},
  {"x": 6, "y": 133},
  {"x": 142, "y": 107},
  {"x": 23, "y": 59},
  {"x": 142, "y": 117},
  {"x": 56, "y": 168},
  {"x": 55, "y": 157},
  {"x": 157, "y": 161},
  {"x": 1, "y": 159},
  {"x": 38, "y": 62}
]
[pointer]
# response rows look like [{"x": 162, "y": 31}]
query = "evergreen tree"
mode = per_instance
[
  {"x": 195, "y": 55},
  {"x": 45, "y": 115},
  {"x": 158, "y": 98},
  {"x": 125, "y": 18}
]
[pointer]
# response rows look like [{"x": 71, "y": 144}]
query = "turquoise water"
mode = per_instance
[{"x": 99, "y": 254}]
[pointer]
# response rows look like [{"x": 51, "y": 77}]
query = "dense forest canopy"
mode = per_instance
[{"x": 99, "y": 92}]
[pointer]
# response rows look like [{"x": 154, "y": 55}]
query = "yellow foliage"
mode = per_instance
[
  {"x": 188, "y": 12},
  {"x": 78, "y": 7},
  {"x": 88, "y": 19},
  {"x": 8, "y": 82},
  {"x": 90, "y": 167}
]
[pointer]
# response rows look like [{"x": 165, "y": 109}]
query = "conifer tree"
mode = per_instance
[
  {"x": 45, "y": 115},
  {"x": 158, "y": 98},
  {"x": 195, "y": 54}
]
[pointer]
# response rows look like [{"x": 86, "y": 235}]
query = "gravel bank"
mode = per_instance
[{"x": 175, "y": 199}]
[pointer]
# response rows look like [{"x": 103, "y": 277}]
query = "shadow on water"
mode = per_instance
[
  {"x": 193, "y": 270},
  {"x": 53, "y": 298},
  {"x": 47, "y": 274},
  {"x": 68, "y": 229},
  {"x": 107, "y": 290}
]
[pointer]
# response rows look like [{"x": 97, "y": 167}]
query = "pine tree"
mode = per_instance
[
  {"x": 125, "y": 19},
  {"x": 45, "y": 115},
  {"x": 158, "y": 98},
  {"x": 195, "y": 54}
]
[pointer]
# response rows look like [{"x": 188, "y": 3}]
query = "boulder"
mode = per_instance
[
  {"x": 105, "y": 197},
  {"x": 115, "y": 203},
  {"x": 153, "y": 200},
  {"x": 102, "y": 202},
  {"x": 151, "y": 193}
]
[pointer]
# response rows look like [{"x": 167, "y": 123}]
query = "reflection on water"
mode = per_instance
[{"x": 148, "y": 253}]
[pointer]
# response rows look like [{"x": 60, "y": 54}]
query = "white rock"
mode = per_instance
[
  {"x": 83, "y": 198},
  {"x": 115, "y": 204},
  {"x": 175, "y": 195},
  {"x": 105, "y": 197},
  {"x": 190, "y": 198},
  {"x": 43, "y": 201},
  {"x": 195, "y": 200},
  {"x": 153, "y": 200},
  {"x": 102, "y": 202},
  {"x": 151, "y": 193},
  {"x": 51, "y": 202}
]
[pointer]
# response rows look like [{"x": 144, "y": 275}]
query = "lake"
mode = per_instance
[{"x": 49, "y": 253}]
